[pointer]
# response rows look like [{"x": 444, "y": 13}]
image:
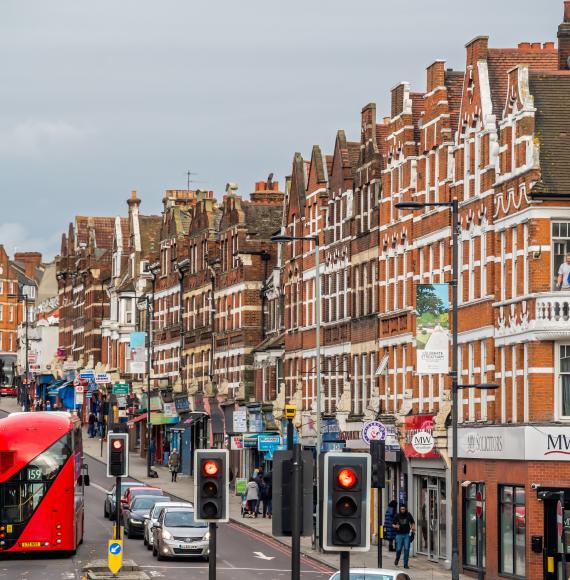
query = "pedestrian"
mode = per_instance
[
  {"x": 258, "y": 477},
  {"x": 267, "y": 495},
  {"x": 174, "y": 464},
  {"x": 91, "y": 429},
  {"x": 252, "y": 496},
  {"x": 563, "y": 280},
  {"x": 165, "y": 450},
  {"x": 388, "y": 521},
  {"x": 405, "y": 527}
]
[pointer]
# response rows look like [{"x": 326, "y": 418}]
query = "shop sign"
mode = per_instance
[
  {"x": 241, "y": 485},
  {"x": 155, "y": 403},
  {"x": 120, "y": 389},
  {"x": 268, "y": 442},
  {"x": 102, "y": 378},
  {"x": 236, "y": 442},
  {"x": 33, "y": 368},
  {"x": 432, "y": 329},
  {"x": 373, "y": 431},
  {"x": 423, "y": 442},
  {"x": 239, "y": 420},
  {"x": 255, "y": 421},
  {"x": 87, "y": 374},
  {"x": 170, "y": 410},
  {"x": 418, "y": 437},
  {"x": 78, "y": 398},
  {"x": 522, "y": 443},
  {"x": 121, "y": 402},
  {"x": 182, "y": 404},
  {"x": 70, "y": 366},
  {"x": 249, "y": 441},
  {"x": 330, "y": 430}
]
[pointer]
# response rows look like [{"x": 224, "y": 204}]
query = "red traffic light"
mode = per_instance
[
  {"x": 347, "y": 478},
  {"x": 117, "y": 444},
  {"x": 211, "y": 468}
]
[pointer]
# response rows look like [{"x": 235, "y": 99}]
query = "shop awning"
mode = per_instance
[
  {"x": 137, "y": 419},
  {"x": 195, "y": 417},
  {"x": 158, "y": 418}
]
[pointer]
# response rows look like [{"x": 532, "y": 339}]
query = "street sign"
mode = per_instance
[
  {"x": 102, "y": 378},
  {"x": 478, "y": 504},
  {"x": 87, "y": 374},
  {"x": 79, "y": 388},
  {"x": 115, "y": 555},
  {"x": 373, "y": 431},
  {"x": 120, "y": 389},
  {"x": 559, "y": 519}
]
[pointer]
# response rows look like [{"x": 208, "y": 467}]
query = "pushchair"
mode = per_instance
[{"x": 246, "y": 511}]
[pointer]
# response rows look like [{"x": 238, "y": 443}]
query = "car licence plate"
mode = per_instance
[{"x": 30, "y": 544}]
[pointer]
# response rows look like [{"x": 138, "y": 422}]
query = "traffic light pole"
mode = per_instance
[
  {"x": 344, "y": 566},
  {"x": 296, "y": 503},
  {"x": 213, "y": 527},
  {"x": 118, "y": 508},
  {"x": 290, "y": 438},
  {"x": 380, "y": 528}
]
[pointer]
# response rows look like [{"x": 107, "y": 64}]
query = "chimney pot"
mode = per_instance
[
  {"x": 536, "y": 45},
  {"x": 548, "y": 45},
  {"x": 524, "y": 45},
  {"x": 566, "y": 10}
]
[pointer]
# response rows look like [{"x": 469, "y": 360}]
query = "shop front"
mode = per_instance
[
  {"x": 424, "y": 487},
  {"x": 515, "y": 500}
]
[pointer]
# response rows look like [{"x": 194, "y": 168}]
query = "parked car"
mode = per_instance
[
  {"x": 372, "y": 574},
  {"x": 7, "y": 391},
  {"x": 177, "y": 533},
  {"x": 136, "y": 511},
  {"x": 134, "y": 491},
  {"x": 154, "y": 514},
  {"x": 109, "y": 508}
]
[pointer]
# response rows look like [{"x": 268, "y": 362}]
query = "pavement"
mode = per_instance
[{"x": 246, "y": 546}]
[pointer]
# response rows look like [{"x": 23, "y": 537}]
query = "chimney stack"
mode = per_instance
[
  {"x": 564, "y": 39},
  {"x": 30, "y": 260}
]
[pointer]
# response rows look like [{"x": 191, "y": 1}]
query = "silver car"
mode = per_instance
[
  {"x": 177, "y": 533},
  {"x": 372, "y": 574},
  {"x": 152, "y": 518}
]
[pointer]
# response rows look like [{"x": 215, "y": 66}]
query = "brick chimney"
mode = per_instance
[
  {"x": 133, "y": 200},
  {"x": 564, "y": 39},
  {"x": 31, "y": 261},
  {"x": 435, "y": 75},
  {"x": 267, "y": 191},
  {"x": 477, "y": 49}
]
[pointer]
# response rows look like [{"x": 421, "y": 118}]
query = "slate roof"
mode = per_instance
[
  {"x": 551, "y": 94},
  {"x": 104, "y": 228},
  {"x": 501, "y": 60},
  {"x": 150, "y": 233},
  {"x": 262, "y": 220}
]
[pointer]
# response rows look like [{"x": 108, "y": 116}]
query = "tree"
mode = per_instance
[{"x": 427, "y": 301}]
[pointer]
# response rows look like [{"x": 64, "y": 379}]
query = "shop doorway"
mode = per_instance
[{"x": 431, "y": 513}]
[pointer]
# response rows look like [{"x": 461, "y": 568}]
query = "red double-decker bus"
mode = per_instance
[{"x": 41, "y": 482}]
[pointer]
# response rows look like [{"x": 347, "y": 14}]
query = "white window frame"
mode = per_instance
[{"x": 558, "y": 379}]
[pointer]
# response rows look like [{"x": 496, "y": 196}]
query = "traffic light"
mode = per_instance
[
  {"x": 378, "y": 455},
  {"x": 211, "y": 488},
  {"x": 118, "y": 455},
  {"x": 346, "y": 500},
  {"x": 283, "y": 491}
]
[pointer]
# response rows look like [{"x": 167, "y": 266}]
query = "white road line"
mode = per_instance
[{"x": 99, "y": 487}]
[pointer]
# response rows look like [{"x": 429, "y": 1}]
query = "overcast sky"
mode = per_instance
[{"x": 98, "y": 98}]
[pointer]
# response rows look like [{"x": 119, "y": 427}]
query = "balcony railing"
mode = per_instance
[{"x": 553, "y": 307}]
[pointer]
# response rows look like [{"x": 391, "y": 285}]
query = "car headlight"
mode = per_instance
[
  {"x": 166, "y": 535},
  {"x": 206, "y": 536},
  {"x": 133, "y": 521}
]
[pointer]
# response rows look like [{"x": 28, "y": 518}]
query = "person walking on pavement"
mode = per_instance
[
  {"x": 174, "y": 464},
  {"x": 405, "y": 527},
  {"x": 252, "y": 496},
  {"x": 91, "y": 429},
  {"x": 267, "y": 495},
  {"x": 388, "y": 521}
]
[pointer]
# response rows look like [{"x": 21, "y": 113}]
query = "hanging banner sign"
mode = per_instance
[
  {"x": 138, "y": 352},
  {"x": 432, "y": 329}
]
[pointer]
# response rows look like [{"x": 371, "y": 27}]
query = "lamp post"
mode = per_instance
[
  {"x": 153, "y": 270},
  {"x": 454, "y": 206},
  {"x": 182, "y": 267},
  {"x": 281, "y": 239}
]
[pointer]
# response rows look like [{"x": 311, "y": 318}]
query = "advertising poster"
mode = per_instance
[
  {"x": 418, "y": 437},
  {"x": 432, "y": 329},
  {"x": 138, "y": 352}
]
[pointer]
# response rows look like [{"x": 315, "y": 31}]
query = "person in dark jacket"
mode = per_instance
[{"x": 389, "y": 531}]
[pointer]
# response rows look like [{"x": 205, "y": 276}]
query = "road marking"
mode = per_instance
[
  {"x": 262, "y": 556},
  {"x": 99, "y": 487}
]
